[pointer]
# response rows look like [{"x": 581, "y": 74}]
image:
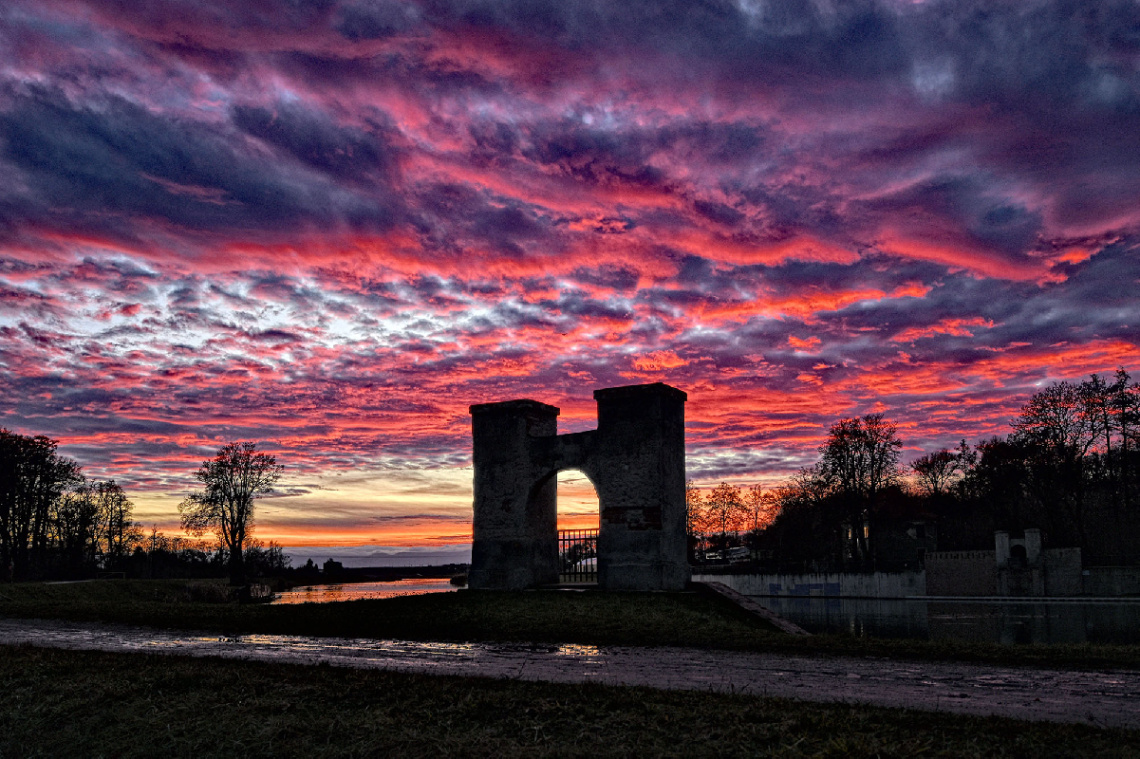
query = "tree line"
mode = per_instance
[
  {"x": 1070, "y": 466},
  {"x": 55, "y": 523}
]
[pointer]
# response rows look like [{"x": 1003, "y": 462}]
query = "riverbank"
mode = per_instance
[{"x": 588, "y": 618}]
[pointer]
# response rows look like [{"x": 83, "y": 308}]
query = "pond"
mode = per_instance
[
  {"x": 976, "y": 621},
  {"x": 356, "y": 591}
]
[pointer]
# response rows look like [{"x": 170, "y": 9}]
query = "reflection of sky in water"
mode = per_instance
[
  {"x": 578, "y": 650},
  {"x": 1106, "y": 621},
  {"x": 357, "y": 591}
]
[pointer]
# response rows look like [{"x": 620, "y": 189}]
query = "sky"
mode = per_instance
[{"x": 331, "y": 226}]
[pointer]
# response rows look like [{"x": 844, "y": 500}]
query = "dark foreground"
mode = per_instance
[
  {"x": 77, "y": 703},
  {"x": 1109, "y": 698}
]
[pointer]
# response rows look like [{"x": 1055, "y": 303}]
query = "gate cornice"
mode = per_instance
[{"x": 558, "y": 452}]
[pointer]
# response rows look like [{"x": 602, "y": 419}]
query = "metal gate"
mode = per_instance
[{"x": 578, "y": 555}]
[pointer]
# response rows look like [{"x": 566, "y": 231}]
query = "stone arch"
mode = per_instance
[
  {"x": 568, "y": 491},
  {"x": 636, "y": 462}
]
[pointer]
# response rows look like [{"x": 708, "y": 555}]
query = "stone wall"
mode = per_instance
[
  {"x": 515, "y": 527},
  {"x": 951, "y": 573},
  {"x": 1111, "y": 581},
  {"x": 961, "y": 573},
  {"x": 838, "y": 584},
  {"x": 1063, "y": 572}
]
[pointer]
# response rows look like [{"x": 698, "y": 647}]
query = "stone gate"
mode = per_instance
[{"x": 636, "y": 462}]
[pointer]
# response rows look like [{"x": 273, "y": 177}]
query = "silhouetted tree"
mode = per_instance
[
  {"x": 75, "y": 530},
  {"x": 261, "y": 560},
  {"x": 117, "y": 528},
  {"x": 805, "y": 533},
  {"x": 1124, "y": 408},
  {"x": 761, "y": 507},
  {"x": 859, "y": 459},
  {"x": 696, "y": 519},
  {"x": 233, "y": 479},
  {"x": 726, "y": 512},
  {"x": 935, "y": 472},
  {"x": 33, "y": 477},
  {"x": 1057, "y": 433}
]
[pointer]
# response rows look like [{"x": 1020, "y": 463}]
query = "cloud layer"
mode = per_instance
[{"x": 331, "y": 226}]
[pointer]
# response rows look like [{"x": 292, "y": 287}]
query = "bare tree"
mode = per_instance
[
  {"x": 935, "y": 471},
  {"x": 696, "y": 517},
  {"x": 233, "y": 479},
  {"x": 33, "y": 478},
  {"x": 1058, "y": 432},
  {"x": 117, "y": 528},
  {"x": 726, "y": 511},
  {"x": 75, "y": 529},
  {"x": 861, "y": 458},
  {"x": 762, "y": 506},
  {"x": 1125, "y": 406}
]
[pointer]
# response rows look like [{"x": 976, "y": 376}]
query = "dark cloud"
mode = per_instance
[
  {"x": 344, "y": 153},
  {"x": 98, "y": 168},
  {"x": 376, "y": 20}
]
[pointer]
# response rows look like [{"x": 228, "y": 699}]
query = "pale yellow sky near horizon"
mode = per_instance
[{"x": 385, "y": 507}]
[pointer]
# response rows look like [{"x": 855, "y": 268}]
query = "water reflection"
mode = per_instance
[
  {"x": 978, "y": 621},
  {"x": 578, "y": 650},
  {"x": 362, "y": 590}
]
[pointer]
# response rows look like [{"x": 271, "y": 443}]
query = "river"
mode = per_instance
[
  {"x": 356, "y": 591},
  {"x": 1022, "y": 621}
]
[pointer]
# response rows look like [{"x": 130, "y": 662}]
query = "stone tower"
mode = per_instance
[{"x": 636, "y": 461}]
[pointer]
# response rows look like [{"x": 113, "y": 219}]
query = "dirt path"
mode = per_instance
[{"x": 1106, "y": 698}]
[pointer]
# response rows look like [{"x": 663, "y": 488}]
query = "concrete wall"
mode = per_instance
[
  {"x": 961, "y": 573},
  {"x": 1111, "y": 581},
  {"x": 1063, "y": 572},
  {"x": 1062, "y": 565},
  {"x": 871, "y": 585}
]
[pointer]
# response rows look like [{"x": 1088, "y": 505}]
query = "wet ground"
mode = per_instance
[{"x": 1105, "y": 698}]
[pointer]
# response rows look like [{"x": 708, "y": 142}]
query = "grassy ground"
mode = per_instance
[
  {"x": 79, "y": 704},
  {"x": 646, "y": 619}
]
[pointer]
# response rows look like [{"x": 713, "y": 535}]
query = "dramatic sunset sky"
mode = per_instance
[{"x": 331, "y": 226}]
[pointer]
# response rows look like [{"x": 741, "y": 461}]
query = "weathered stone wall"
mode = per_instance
[
  {"x": 636, "y": 461},
  {"x": 961, "y": 573},
  {"x": 639, "y": 473},
  {"x": 1063, "y": 572},
  {"x": 1112, "y": 581},
  {"x": 828, "y": 585},
  {"x": 515, "y": 526}
]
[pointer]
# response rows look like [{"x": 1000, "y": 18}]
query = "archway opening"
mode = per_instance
[
  {"x": 578, "y": 507},
  {"x": 578, "y": 520}
]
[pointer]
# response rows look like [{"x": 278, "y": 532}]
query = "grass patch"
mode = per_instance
[
  {"x": 80, "y": 703},
  {"x": 642, "y": 619}
]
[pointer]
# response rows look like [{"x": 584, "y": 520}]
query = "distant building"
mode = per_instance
[{"x": 1018, "y": 566}]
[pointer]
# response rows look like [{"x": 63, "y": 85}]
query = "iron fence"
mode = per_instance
[{"x": 578, "y": 555}]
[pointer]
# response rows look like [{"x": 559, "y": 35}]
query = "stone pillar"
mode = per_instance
[
  {"x": 1001, "y": 549},
  {"x": 1032, "y": 546},
  {"x": 515, "y": 526},
  {"x": 639, "y": 473}
]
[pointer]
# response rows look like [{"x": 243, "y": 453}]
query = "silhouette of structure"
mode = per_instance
[{"x": 636, "y": 461}]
